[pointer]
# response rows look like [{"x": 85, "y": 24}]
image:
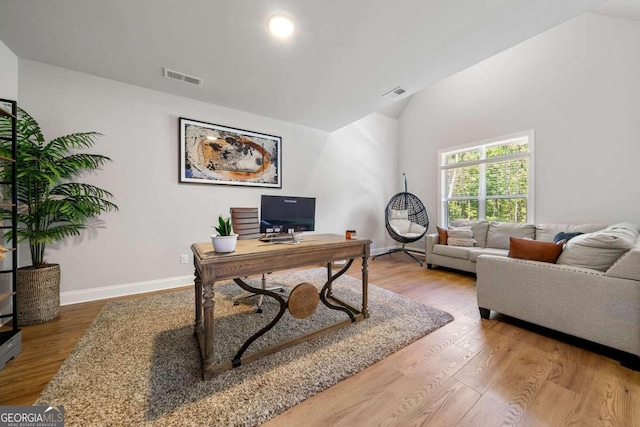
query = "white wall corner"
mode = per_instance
[{"x": 8, "y": 73}]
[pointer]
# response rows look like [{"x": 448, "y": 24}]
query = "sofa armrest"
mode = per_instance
[
  {"x": 577, "y": 301},
  {"x": 430, "y": 241},
  {"x": 627, "y": 266}
]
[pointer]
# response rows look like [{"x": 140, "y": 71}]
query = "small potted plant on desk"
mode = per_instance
[{"x": 225, "y": 241}]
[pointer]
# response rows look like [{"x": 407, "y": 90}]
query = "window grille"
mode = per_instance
[{"x": 490, "y": 180}]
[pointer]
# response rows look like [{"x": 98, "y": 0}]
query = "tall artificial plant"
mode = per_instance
[{"x": 52, "y": 205}]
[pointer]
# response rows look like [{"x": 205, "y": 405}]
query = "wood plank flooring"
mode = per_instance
[{"x": 471, "y": 372}]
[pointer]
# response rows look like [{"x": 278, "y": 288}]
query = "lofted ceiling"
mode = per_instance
[
  {"x": 626, "y": 9},
  {"x": 343, "y": 56}
]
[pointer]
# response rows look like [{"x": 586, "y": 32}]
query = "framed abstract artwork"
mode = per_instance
[{"x": 215, "y": 154}]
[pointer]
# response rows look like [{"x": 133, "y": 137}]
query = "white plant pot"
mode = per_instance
[{"x": 224, "y": 244}]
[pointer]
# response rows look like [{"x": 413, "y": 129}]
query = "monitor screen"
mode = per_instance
[{"x": 279, "y": 214}]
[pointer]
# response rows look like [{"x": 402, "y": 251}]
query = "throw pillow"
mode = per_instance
[
  {"x": 460, "y": 232},
  {"x": 565, "y": 236},
  {"x": 398, "y": 214},
  {"x": 460, "y": 236},
  {"x": 534, "y": 250},
  {"x": 442, "y": 235},
  {"x": 479, "y": 228},
  {"x": 599, "y": 250},
  {"x": 500, "y": 232},
  {"x": 454, "y": 241}
]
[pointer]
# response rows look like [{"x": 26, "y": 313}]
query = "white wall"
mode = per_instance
[
  {"x": 351, "y": 172},
  {"x": 578, "y": 86},
  {"x": 8, "y": 73}
]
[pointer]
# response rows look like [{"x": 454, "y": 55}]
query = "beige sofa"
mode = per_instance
[
  {"x": 492, "y": 238},
  {"x": 580, "y": 295}
]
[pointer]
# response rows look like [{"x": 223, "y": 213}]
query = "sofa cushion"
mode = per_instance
[
  {"x": 479, "y": 228},
  {"x": 398, "y": 214},
  {"x": 400, "y": 226},
  {"x": 546, "y": 232},
  {"x": 460, "y": 252},
  {"x": 416, "y": 228},
  {"x": 534, "y": 250},
  {"x": 406, "y": 228},
  {"x": 633, "y": 229},
  {"x": 500, "y": 232},
  {"x": 475, "y": 253},
  {"x": 601, "y": 249},
  {"x": 442, "y": 235}
]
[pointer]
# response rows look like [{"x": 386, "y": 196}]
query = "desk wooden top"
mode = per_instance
[{"x": 253, "y": 256}]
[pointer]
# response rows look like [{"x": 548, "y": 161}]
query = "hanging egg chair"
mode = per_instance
[{"x": 406, "y": 221}]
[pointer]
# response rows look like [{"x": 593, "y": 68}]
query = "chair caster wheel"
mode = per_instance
[{"x": 259, "y": 310}]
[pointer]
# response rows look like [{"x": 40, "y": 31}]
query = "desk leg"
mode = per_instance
[
  {"x": 207, "y": 364},
  {"x": 329, "y": 273},
  {"x": 365, "y": 286},
  {"x": 327, "y": 289},
  {"x": 198, "y": 290}
]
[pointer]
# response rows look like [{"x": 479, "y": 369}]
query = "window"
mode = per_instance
[{"x": 491, "y": 180}]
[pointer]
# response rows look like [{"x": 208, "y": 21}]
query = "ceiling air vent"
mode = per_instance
[
  {"x": 170, "y": 74},
  {"x": 394, "y": 92}
]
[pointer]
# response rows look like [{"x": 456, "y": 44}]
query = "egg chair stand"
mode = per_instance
[
  {"x": 404, "y": 250},
  {"x": 406, "y": 221}
]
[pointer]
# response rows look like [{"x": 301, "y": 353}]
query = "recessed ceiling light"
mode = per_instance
[{"x": 281, "y": 26}]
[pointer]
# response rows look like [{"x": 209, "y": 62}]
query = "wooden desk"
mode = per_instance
[{"x": 256, "y": 257}]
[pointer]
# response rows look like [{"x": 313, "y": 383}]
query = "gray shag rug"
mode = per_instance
[{"x": 139, "y": 363}]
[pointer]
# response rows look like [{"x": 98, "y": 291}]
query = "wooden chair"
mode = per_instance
[{"x": 246, "y": 224}]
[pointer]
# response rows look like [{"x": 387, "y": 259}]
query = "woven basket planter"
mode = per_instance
[{"x": 38, "y": 296}]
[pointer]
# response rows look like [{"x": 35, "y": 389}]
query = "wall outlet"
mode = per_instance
[{"x": 184, "y": 258}]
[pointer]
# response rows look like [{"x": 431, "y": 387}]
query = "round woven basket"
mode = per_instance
[{"x": 38, "y": 294}]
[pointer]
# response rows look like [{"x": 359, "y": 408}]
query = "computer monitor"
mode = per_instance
[{"x": 281, "y": 214}]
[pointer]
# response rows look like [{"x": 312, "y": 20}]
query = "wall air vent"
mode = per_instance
[
  {"x": 393, "y": 93},
  {"x": 170, "y": 74}
]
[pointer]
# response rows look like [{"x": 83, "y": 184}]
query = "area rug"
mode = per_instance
[{"x": 139, "y": 363}]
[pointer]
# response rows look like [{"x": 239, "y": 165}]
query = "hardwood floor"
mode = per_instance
[{"x": 471, "y": 372}]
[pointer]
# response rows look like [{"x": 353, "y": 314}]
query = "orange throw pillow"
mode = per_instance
[
  {"x": 443, "y": 236},
  {"x": 534, "y": 250}
]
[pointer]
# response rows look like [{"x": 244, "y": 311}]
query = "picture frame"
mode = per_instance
[{"x": 223, "y": 155}]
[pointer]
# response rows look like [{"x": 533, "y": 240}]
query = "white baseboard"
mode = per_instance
[
  {"x": 94, "y": 294},
  {"x": 379, "y": 251},
  {"x": 383, "y": 250}
]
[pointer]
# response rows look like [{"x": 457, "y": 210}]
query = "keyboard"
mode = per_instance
[{"x": 279, "y": 238}]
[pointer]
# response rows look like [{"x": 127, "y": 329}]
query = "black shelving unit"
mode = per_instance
[{"x": 10, "y": 335}]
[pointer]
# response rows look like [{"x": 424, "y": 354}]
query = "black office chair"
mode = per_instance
[{"x": 246, "y": 224}]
